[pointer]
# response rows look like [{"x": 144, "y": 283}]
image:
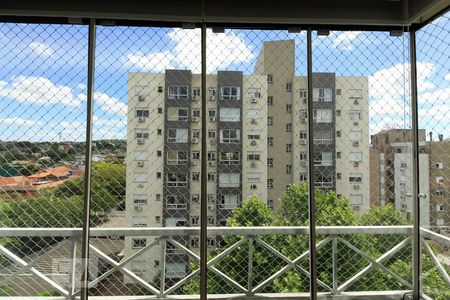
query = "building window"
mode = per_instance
[
  {"x": 355, "y": 93},
  {"x": 159, "y": 131},
  {"x": 230, "y": 93},
  {"x": 303, "y": 94},
  {"x": 228, "y": 114},
  {"x": 270, "y": 141},
  {"x": 338, "y": 92},
  {"x": 440, "y": 179},
  {"x": 322, "y": 95},
  {"x": 322, "y": 115},
  {"x": 196, "y": 113},
  {"x": 355, "y": 178},
  {"x": 254, "y": 114},
  {"x": 176, "y": 157},
  {"x": 178, "y": 92},
  {"x": 195, "y": 242},
  {"x": 160, "y": 110},
  {"x": 254, "y": 177},
  {"x": 211, "y": 155},
  {"x": 338, "y": 113},
  {"x": 289, "y": 87},
  {"x": 230, "y": 158},
  {"x": 338, "y": 154},
  {"x": 229, "y": 179},
  {"x": 177, "y": 135},
  {"x": 141, "y": 155},
  {"x": 195, "y": 220},
  {"x": 440, "y": 207},
  {"x": 176, "y": 222},
  {"x": 269, "y": 121},
  {"x": 142, "y": 112},
  {"x": 195, "y": 198},
  {"x": 288, "y": 148},
  {"x": 270, "y": 162},
  {"x": 439, "y": 193},
  {"x": 254, "y": 93},
  {"x": 142, "y": 91},
  {"x": 196, "y": 91},
  {"x": 158, "y": 197},
  {"x": 269, "y": 101},
  {"x": 288, "y": 127},
  {"x": 288, "y": 169},
  {"x": 303, "y": 177},
  {"x": 230, "y": 136},
  {"x": 440, "y": 222},
  {"x": 195, "y": 176},
  {"x": 211, "y": 177},
  {"x": 159, "y": 153},
  {"x": 229, "y": 201},
  {"x": 270, "y": 183},
  {"x": 355, "y": 156},
  {"x": 141, "y": 133},
  {"x": 338, "y": 175},
  {"x": 338, "y": 133},
  {"x": 303, "y": 156},
  {"x": 253, "y": 155},
  {"x": 212, "y": 92},
  {"x": 303, "y": 135},
  {"x": 211, "y": 113},
  {"x": 195, "y": 155},
  {"x": 322, "y": 137},
  {"x": 269, "y": 78},
  {"x": 356, "y": 200},
  {"x": 139, "y": 221},
  {"x": 196, "y": 133},
  {"x": 355, "y": 115},
  {"x": 138, "y": 266},
  {"x": 176, "y": 179},
  {"x": 212, "y": 134},
  {"x": 160, "y": 89},
  {"x": 177, "y": 114},
  {"x": 253, "y": 134},
  {"x": 175, "y": 270},
  {"x": 439, "y": 165},
  {"x": 212, "y": 198},
  {"x": 140, "y": 199},
  {"x": 138, "y": 243},
  {"x": 289, "y": 108},
  {"x": 324, "y": 159},
  {"x": 355, "y": 136},
  {"x": 211, "y": 220},
  {"x": 158, "y": 175},
  {"x": 270, "y": 204},
  {"x": 140, "y": 177}
]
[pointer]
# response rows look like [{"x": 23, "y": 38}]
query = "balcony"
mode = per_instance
[{"x": 334, "y": 242}]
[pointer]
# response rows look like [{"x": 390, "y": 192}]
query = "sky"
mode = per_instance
[{"x": 44, "y": 71}]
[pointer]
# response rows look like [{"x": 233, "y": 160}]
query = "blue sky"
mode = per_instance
[{"x": 43, "y": 74}]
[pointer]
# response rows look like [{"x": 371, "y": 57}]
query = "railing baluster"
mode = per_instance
[
  {"x": 334, "y": 254},
  {"x": 73, "y": 265},
  {"x": 163, "y": 267},
  {"x": 250, "y": 266}
]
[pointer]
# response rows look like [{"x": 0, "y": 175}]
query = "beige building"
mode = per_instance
[{"x": 257, "y": 145}]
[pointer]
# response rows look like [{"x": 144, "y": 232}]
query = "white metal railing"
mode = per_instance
[{"x": 251, "y": 236}]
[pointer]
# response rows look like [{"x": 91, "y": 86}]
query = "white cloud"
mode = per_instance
[
  {"x": 447, "y": 77},
  {"x": 344, "y": 40},
  {"x": 223, "y": 50},
  {"x": 41, "y": 48},
  {"x": 19, "y": 122},
  {"x": 38, "y": 90}
]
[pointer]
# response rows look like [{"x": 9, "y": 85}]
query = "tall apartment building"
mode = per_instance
[
  {"x": 257, "y": 133},
  {"x": 391, "y": 173}
]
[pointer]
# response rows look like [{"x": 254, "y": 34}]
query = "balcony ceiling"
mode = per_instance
[{"x": 318, "y": 12}]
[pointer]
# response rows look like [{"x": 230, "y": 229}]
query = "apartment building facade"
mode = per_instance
[{"x": 257, "y": 133}]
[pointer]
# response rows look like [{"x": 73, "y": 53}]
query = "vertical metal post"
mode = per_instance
[
  {"x": 250, "y": 266},
  {"x": 162, "y": 283},
  {"x": 415, "y": 168},
  {"x": 73, "y": 264},
  {"x": 204, "y": 172},
  {"x": 335, "y": 262},
  {"x": 311, "y": 194},
  {"x": 88, "y": 159}
]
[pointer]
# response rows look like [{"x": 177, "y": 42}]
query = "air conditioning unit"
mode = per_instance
[
  {"x": 356, "y": 163},
  {"x": 210, "y": 207},
  {"x": 194, "y": 141},
  {"x": 357, "y": 207},
  {"x": 193, "y": 163},
  {"x": 253, "y": 121},
  {"x": 140, "y": 164},
  {"x": 141, "y": 119},
  {"x": 212, "y": 141},
  {"x": 356, "y": 102},
  {"x": 138, "y": 208},
  {"x": 356, "y": 186},
  {"x": 304, "y": 163},
  {"x": 253, "y": 164},
  {"x": 303, "y": 141},
  {"x": 141, "y": 98},
  {"x": 305, "y": 100},
  {"x": 140, "y": 185},
  {"x": 212, "y": 119},
  {"x": 140, "y": 141},
  {"x": 211, "y": 163},
  {"x": 212, "y": 98},
  {"x": 253, "y": 143},
  {"x": 195, "y": 98},
  {"x": 253, "y": 100},
  {"x": 356, "y": 143},
  {"x": 253, "y": 186},
  {"x": 356, "y": 123},
  {"x": 195, "y": 119}
]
